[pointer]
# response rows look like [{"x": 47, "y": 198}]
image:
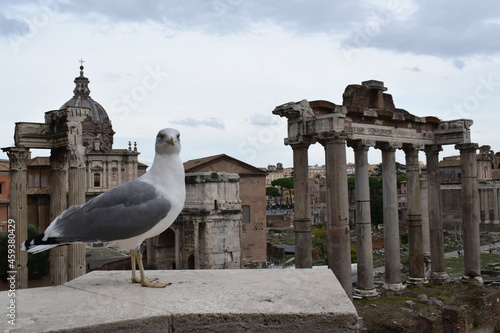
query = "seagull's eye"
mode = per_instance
[{"x": 178, "y": 136}]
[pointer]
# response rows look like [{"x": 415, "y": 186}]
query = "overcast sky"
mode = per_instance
[{"x": 216, "y": 69}]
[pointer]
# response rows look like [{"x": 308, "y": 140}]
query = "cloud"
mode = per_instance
[
  {"x": 209, "y": 122},
  {"x": 458, "y": 63},
  {"x": 415, "y": 69},
  {"x": 433, "y": 30},
  {"x": 10, "y": 26},
  {"x": 446, "y": 28},
  {"x": 258, "y": 119}
]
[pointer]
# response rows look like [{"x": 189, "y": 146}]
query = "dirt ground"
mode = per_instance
[{"x": 458, "y": 303}]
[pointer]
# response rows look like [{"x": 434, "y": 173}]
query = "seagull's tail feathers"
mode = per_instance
[{"x": 38, "y": 244}]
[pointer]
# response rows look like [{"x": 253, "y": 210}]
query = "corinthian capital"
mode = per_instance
[{"x": 18, "y": 158}]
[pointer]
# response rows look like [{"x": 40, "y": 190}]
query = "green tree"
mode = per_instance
[
  {"x": 320, "y": 241},
  {"x": 354, "y": 255},
  {"x": 272, "y": 192},
  {"x": 284, "y": 184},
  {"x": 376, "y": 206},
  {"x": 351, "y": 183}
]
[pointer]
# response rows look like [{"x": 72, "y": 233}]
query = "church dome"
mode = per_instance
[
  {"x": 97, "y": 126},
  {"x": 82, "y": 99}
]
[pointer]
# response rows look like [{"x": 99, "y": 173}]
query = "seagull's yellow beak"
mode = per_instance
[{"x": 171, "y": 142}]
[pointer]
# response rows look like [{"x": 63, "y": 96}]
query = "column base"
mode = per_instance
[
  {"x": 416, "y": 281},
  {"x": 439, "y": 277},
  {"x": 393, "y": 286},
  {"x": 366, "y": 293},
  {"x": 475, "y": 280}
]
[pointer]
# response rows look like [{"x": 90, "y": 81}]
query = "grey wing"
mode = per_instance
[{"x": 126, "y": 211}]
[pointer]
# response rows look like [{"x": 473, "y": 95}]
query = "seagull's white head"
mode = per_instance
[{"x": 168, "y": 141}]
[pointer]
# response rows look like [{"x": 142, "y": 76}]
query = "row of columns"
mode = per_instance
[
  {"x": 338, "y": 209},
  {"x": 67, "y": 188},
  {"x": 67, "y": 167},
  {"x": 489, "y": 202}
]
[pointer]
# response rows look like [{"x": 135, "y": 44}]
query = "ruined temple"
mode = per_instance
[{"x": 368, "y": 118}]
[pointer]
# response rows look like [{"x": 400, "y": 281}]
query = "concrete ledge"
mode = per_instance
[{"x": 291, "y": 300}]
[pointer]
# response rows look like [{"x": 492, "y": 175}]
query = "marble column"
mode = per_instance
[
  {"x": 365, "y": 286},
  {"x": 391, "y": 219},
  {"x": 470, "y": 204},
  {"x": 18, "y": 212},
  {"x": 302, "y": 206},
  {"x": 436, "y": 235},
  {"x": 339, "y": 242},
  {"x": 58, "y": 203},
  {"x": 416, "y": 246},
  {"x": 76, "y": 196}
]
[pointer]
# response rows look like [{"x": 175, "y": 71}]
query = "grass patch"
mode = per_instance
[{"x": 456, "y": 265}]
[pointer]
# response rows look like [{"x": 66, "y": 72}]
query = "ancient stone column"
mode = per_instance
[
  {"x": 302, "y": 206},
  {"x": 339, "y": 243},
  {"x": 486, "y": 193},
  {"x": 196, "y": 245},
  {"x": 470, "y": 204},
  {"x": 58, "y": 203},
  {"x": 391, "y": 218},
  {"x": 18, "y": 212},
  {"x": 482, "y": 214},
  {"x": 365, "y": 287},
  {"x": 415, "y": 233},
  {"x": 425, "y": 219},
  {"x": 436, "y": 236},
  {"x": 76, "y": 196}
]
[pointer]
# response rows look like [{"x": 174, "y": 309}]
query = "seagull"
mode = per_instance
[{"x": 127, "y": 214}]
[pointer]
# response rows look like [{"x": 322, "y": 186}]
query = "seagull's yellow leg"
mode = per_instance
[
  {"x": 145, "y": 282},
  {"x": 133, "y": 257}
]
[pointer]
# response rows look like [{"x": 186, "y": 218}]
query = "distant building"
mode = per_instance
[
  {"x": 488, "y": 176},
  {"x": 274, "y": 172},
  {"x": 351, "y": 169},
  {"x": 252, "y": 189}
]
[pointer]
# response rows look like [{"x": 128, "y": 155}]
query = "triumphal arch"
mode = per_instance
[{"x": 368, "y": 118}]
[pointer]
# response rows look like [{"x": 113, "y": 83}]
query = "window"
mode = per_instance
[
  {"x": 1, "y": 188},
  {"x": 246, "y": 213},
  {"x": 97, "y": 180}
]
